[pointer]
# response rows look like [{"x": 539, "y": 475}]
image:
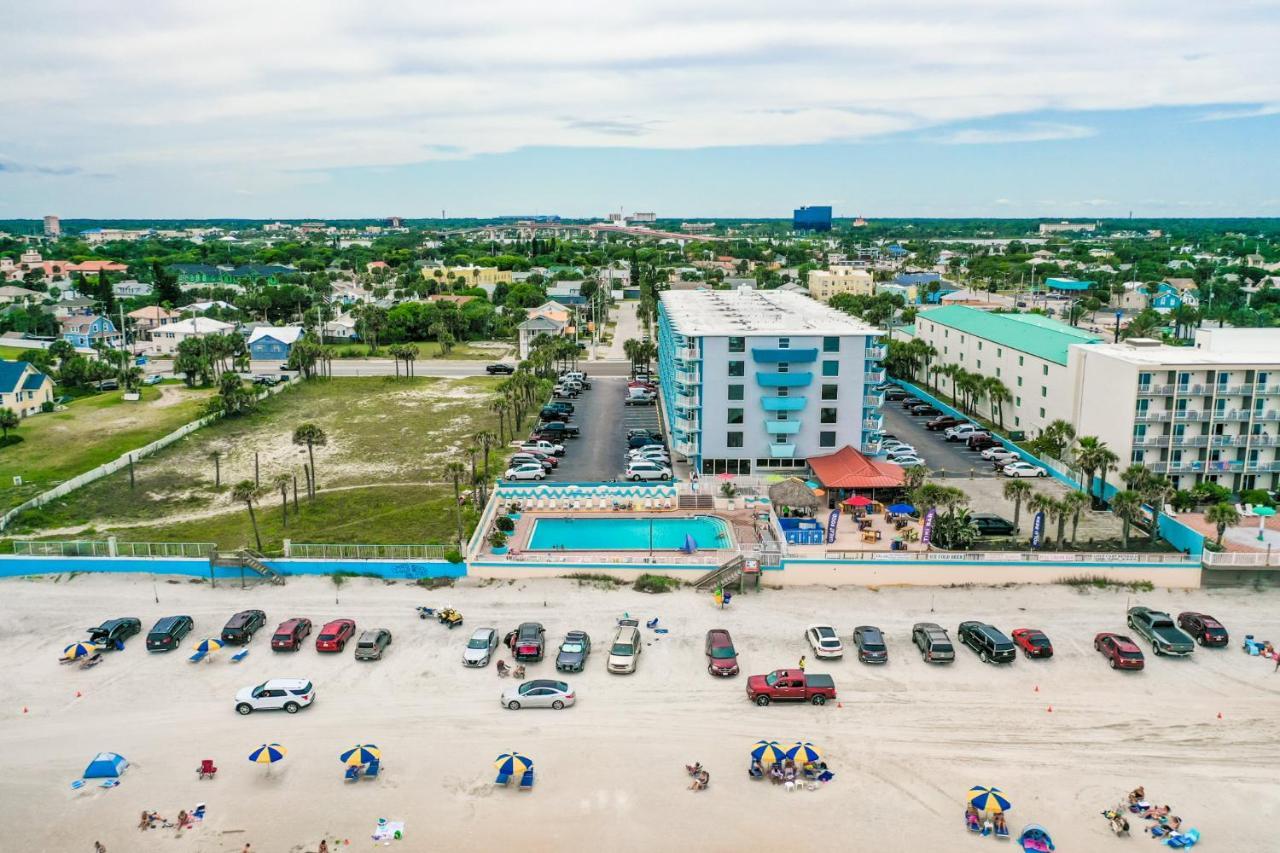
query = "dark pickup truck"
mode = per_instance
[
  {"x": 790, "y": 685},
  {"x": 555, "y": 430}
]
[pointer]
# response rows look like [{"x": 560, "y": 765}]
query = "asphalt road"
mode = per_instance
[
  {"x": 599, "y": 453},
  {"x": 422, "y": 367},
  {"x": 938, "y": 454}
]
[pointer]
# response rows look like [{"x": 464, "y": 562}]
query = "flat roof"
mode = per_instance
[
  {"x": 747, "y": 311},
  {"x": 1163, "y": 355},
  {"x": 1033, "y": 334}
]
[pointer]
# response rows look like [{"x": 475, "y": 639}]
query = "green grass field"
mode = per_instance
[
  {"x": 16, "y": 353},
  {"x": 429, "y": 350}
]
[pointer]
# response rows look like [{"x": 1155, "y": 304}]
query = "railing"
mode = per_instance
[
  {"x": 1228, "y": 560},
  {"x": 870, "y": 448},
  {"x": 109, "y": 548},
  {"x": 685, "y": 377},
  {"x": 1189, "y": 415},
  {"x": 1261, "y": 467},
  {"x": 1235, "y": 415},
  {"x": 688, "y": 354},
  {"x": 1272, "y": 415},
  {"x": 873, "y": 423},
  {"x": 307, "y": 550},
  {"x": 876, "y": 353},
  {"x": 1148, "y": 417},
  {"x": 873, "y": 400},
  {"x": 873, "y": 376},
  {"x": 78, "y": 548},
  {"x": 165, "y": 549},
  {"x": 782, "y": 451},
  {"x": 1013, "y": 557}
]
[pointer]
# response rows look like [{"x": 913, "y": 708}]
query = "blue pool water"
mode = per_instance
[{"x": 627, "y": 534}]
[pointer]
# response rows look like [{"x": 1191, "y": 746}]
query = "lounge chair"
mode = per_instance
[
  {"x": 503, "y": 779},
  {"x": 197, "y": 657},
  {"x": 526, "y": 781},
  {"x": 652, "y": 623},
  {"x": 648, "y": 503},
  {"x": 206, "y": 769},
  {"x": 239, "y": 656},
  {"x": 972, "y": 822},
  {"x": 1002, "y": 832},
  {"x": 1248, "y": 510},
  {"x": 91, "y": 661},
  {"x": 1181, "y": 840},
  {"x": 372, "y": 769},
  {"x": 352, "y": 774},
  {"x": 552, "y": 503},
  {"x": 755, "y": 771}
]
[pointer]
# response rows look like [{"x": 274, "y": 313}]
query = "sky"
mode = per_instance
[{"x": 325, "y": 108}]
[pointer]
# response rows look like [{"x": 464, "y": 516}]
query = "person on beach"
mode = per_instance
[
  {"x": 701, "y": 781},
  {"x": 1137, "y": 795},
  {"x": 98, "y": 848},
  {"x": 324, "y": 846},
  {"x": 183, "y": 819},
  {"x": 802, "y": 663}
]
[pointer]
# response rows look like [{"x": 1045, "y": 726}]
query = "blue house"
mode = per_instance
[
  {"x": 1168, "y": 297},
  {"x": 84, "y": 330},
  {"x": 273, "y": 343},
  {"x": 921, "y": 281}
]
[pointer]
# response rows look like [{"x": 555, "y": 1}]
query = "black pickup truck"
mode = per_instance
[{"x": 555, "y": 430}]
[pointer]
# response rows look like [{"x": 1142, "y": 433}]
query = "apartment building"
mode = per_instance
[
  {"x": 472, "y": 276},
  {"x": 840, "y": 278},
  {"x": 755, "y": 379},
  {"x": 1205, "y": 413},
  {"x": 1027, "y": 352}
]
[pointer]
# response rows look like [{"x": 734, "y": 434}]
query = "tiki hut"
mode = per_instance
[{"x": 793, "y": 492}]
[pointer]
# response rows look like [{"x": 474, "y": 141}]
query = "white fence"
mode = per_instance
[
  {"x": 1223, "y": 560},
  {"x": 110, "y": 548},
  {"x": 1012, "y": 557},
  {"x": 308, "y": 550}
]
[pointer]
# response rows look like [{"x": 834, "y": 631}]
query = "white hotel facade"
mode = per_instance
[{"x": 760, "y": 380}]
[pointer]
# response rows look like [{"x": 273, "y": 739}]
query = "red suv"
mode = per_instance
[
  {"x": 334, "y": 635},
  {"x": 1119, "y": 650},
  {"x": 288, "y": 637},
  {"x": 722, "y": 658},
  {"x": 1033, "y": 642}
]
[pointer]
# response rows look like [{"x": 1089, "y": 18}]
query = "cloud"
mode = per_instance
[
  {"x": 1242, "y": 112},
  {"x": 10, "y": 167},
  {"x": 1035, "y": 132}
]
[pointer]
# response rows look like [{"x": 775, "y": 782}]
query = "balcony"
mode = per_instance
[
  {"x": 783, "y": 380},
  {"x": 1188, "y": 415},
  {"x": 687, "y": 424},
  {"x": 873, "y": 401},
  {"x": 1152, "y": 417},
  {"x": 688, "y": 354},
  {"x": 876, "y": 423},
  {"x": 873, "y": 377},
  {"x": 766, "y": 355},
  {"x": 1272, "y": 415},
  {"x": 1235, "y": 415},
  {"x": 1262, "y": 467},
  {"x": 782, "y": 451},
  {"x": 687, "y": 395},
  {"x": 685, "y": 377},
  {"x": 782, "y": 427},
  {"x": 876, "y": 353},
  {"x": 1151, "y": 440},
  {"x": 684, "y": 448},
  {"x": 1157, "y": 390},
  {"x": 871, "y": 448},
  {"x": 782, "y": 404}
]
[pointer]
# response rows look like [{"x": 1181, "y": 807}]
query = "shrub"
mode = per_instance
[
  {"x": 47, "y": 406},
  {"x": 505, "y": 524},
  {"x": 1099, "y": 582},
  {"x": 498, "y": 539},
  {"x": 1183, "y": 500},
  {"x": 728, "y": 490},
  {"x": 656, "y": 583},
  {"x": 8, "y": 440},
  {"x": 595, "y": 579},
  {"x": 453, "y": 555},
  {"x": 1256, "y": 497},
  {"x": 1211, "y": 493}
]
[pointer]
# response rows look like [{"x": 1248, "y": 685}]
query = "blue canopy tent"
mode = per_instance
[{"x": 106, "y": 765}]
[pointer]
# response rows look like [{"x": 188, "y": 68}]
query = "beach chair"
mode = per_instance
[
  {"x": 352, "y": 774},
  {"x": 652, "y": 623},
  {"x": 1181, "y": 840},
  {"x": 972, "y": 822},
  {"x": 91, "y": 661},
  {"x": 577, "y": 505},
  {"x": 1248, "y": 510},
  {"x": 526, "y": 781},
  {"x": 372, "y": 769},
  {"x": 503, "y": 779},
  {"x": 239, "y": 656},
  {"x": 1239, "y": 509},
  {"x": 648, "y": 504},
  {"x": 197, "y": 657},
  {"x": 1002, "y": 833},
  {"x": 206, "y": 769},
  {"x": 552, "y": 503}
]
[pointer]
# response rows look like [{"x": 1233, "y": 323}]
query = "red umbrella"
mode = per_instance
[
  {"x": 857, "y": 500},
  {"x": 725, "y": 476}
]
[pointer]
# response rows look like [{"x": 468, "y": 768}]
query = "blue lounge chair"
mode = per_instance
[
  {"x": 973, "y": 823},
  {"x": 197, "y": 657},
  {"x": 239, "y": 656},
  {"x": 1187, "y": 839},
  {"x": 353, "y": 773},
  {"x": 1002, "y": 833},
  {"x": 372, "y": 769},
  {"x": 526, "y": 781},
  {"x": 652, "y": 623},
  {"x": 503, "y": 779},
  {"x": 755, "y": 772}
]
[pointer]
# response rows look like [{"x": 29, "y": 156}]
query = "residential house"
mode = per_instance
[
  {"x": 126, "y": 289},
  {"x": 273, "y": 343},
  {"x": 70, "y": 306},
  {"x": 23, "y": 388},
  {"x": 377, "y": 267},
  {"x": 534, "y": 327},
  {"x": 146, "y": 319},
  {"x": 10, "y": 294},
  {"x": 202, "y": 307},
  {"x": 340, "y": 330},
  {"x": 1168, "y": 297},
  {"x": 566, "y": 292},
  {"x": 165, "y": 339},
  {"x": 85, "y": 330}
]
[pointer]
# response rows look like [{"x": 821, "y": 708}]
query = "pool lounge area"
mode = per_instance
[{"x": 657, "y": 533}]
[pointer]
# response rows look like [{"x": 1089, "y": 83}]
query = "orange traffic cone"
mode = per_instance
[
  {"x": 1050, "y": 709},
  {"x": 77, "y": 694},
  {"x": 1037, "y": 688}
]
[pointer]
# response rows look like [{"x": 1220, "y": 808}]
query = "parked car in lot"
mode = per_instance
[
  {"x": 643, "y": 398},
  {"x": 991, "y": 645},
  {"x": 1120, "y": 651},
  {"x": 869, "y": 641},
  {"x": 651, "y": 453},
  {"x": 638, "y": 441},
  {"x": 722, "y": 657},
  {"x": 1158, "y": 628},
  {"x": 1203, "y": 628},
  {"x": 547, "y": 415},
  {"x": 640, "y": 469},
  {"x": 289, "y": 635},
  {"x": 895, "y": 396},
  {"x": 277, "y": 694},
  {"x": 824, "y": 641},
  {"x": 901, "y": 450},
  {"x": 480, "y": 647},
  {"x": 961, "y": 431},
  {"x": 519, "y": 459},
  {"x": 270, "y": 380},
  {"x": 989, "y": 524},
  {"x": 555, "y": 432},
  {"x": 624, "y": 651},
  {"x": 334, "y": 635},
  {"x": 942, "y": 422},
  {"x": 907, "y": 461},
  {"x": 570, "y": 391},
  {"x": 530, "y": 642},
  {"x": 933, "y": 642},
  {"x": 908, "y": 402},
  {"x": 541, "y": 446},
  {"x": 647, "y": 433},
  {"x": 981, "y": 441},
  {"x": 998, "y": 453},
  {"x": 241, "y": 627},
  {"x": 574, "y": 651},
  {"x": 525, "y": 471},
  {"x": 892, "y": 443},
  {"x": 372, "y": 644},
  {"x": 1023, "y": 469},
  {"x": 539, "y": 693},
  {"x": 1033, "y": 642},
  {"x": 153, "y": 379},
  {"x": 498, "y": 367},
  {"x": 791, "y": 685},
  {"x": 576, "y": 376},
  {"x": 112, "y": 633},
  {"x": 924, "y": 410},
  {"x": 167, "y": 633}
]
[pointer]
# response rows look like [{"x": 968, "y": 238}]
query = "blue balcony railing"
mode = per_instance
[
  {"x": 782, "y": 427},
  {"x": 782, "y": 451},
  {"x": 782, "y": 404},
  {"x": 768, "y": 355},
  {"x": 783, "y": 380}
]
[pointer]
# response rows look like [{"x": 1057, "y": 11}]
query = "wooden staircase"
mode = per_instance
[
  {"x": 721, "y": 576},
  {"x": 244, "y": 559}
]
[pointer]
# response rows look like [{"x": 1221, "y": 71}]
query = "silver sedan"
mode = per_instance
[{"x": 539, "y": 693}]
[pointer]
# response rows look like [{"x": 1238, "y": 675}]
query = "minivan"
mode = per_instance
[
  {"x": 625, "y": 648},
  {"x": 166, "y": 634}
]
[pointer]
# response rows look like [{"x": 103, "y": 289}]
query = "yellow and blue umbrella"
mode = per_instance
[
  {"x": 512, "y": 763},
  {"x": 804, "y": 753},
  {"x": 75, "y": 651},
  {"x": 361, "y": 754},
  {"x": 208, "y": 645},
  {"x": 268, "y": 753},
  {"x": 768, "y": 752},
  {"x": 988, "y": 799}
]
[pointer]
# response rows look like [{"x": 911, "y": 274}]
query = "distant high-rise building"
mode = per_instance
[
  {"x": 644, "y": 217},
  {"x": 52, "y": 227},
  {"x": 394, "y": 222},
  {"x": 816, "y": 218}
]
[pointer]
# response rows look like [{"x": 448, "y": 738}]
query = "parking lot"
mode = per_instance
[
  {"x": 943, "y": 458},
  {"x": 599, "y": 453}
]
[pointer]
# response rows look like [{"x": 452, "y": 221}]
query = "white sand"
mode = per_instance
[{"x": 907, "y": 742}]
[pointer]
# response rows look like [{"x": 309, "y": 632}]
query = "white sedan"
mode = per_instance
[
  {"x": 907, "y": 461},
  {"x": 539, "y": 693},
  {"x": 1023, "y": 469},
  {"x": 999, "y": 454},
  {"x": 278, "y": 694},
  {"x": 528, "y": 471},
  {"x": 824, "y": 641},
  {"x": 901, "y": 450}
]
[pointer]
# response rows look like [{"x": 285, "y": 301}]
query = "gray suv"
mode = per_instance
[
  {"x": 933, "y": 642},
  {"x": 372, "y": 644}
]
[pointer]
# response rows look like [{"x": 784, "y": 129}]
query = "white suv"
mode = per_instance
[
  {"x": 639, "y": 469},
  {"x": 277, "y": 694}
]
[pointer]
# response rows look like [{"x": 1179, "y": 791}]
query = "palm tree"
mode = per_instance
[
  {"x": 1127, "y": 505},
  {"x": 1073, "y": 503},
  {"x": 310, "y": 435},
  {"x": 281, "y": 482},
  {"x": 455, "y": 471},
  {"x": 914, "y": 477},
  {"x": 1046, "y": 503},
  {"x": 245, "y": 491},
  {"x": 1107, "y": 461},
  {"x": 1017, "y": 490},
  {"x": 1092, "y": 454},
  {"x": 1135, "y": 476},
  {"x": 998, "y": 394},
  {"x": 498, "y": 405},
  {"x": 1156, "y": 492},
  {"x": 1059, "y": 435},
  {"x": 1222, "y": 516}
]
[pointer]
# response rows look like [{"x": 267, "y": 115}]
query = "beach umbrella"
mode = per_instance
[
  {"x": 804, "y": 753},
  {"x": 512, "y": 763},
  {"x": 857, "y": 500},
  {"x": 208, "y": 645},
  {"x": 1263, "y": 513},
  {"x": 75, "y": 651},
  {"x": 768, "y": 752},
  {"x": 902, "y": 509},
  {"x": 690, "y": 545},
  {"x": 361, "y": 753},
  {"x": 988, "y": 799},
  {"x": 725, "y": 475},
  {"x": 268, "y": 753}
]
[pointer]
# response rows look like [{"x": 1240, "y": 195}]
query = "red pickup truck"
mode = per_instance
[{"x": 790, "y": 685}]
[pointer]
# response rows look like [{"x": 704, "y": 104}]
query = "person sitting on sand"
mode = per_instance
[
  {"x": 324, "y": 846},
  {"x": 694, "y": 769},
  {"x": 1164, "y": 828},
  {"x": 971, "y": 818},
  {"x": 149, "y": 820},
  {"x": 1002, "y": 828},
  {"x": 775, "y": 773},
  {"x": 701, "y": 781},
  {"x": 183, "y": 819},
  {"x": 1157, "y": 813},
  {"x": 1137, "y": 795}
]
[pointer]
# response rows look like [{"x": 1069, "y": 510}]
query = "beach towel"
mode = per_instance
[{"x": 388, "y": 829}]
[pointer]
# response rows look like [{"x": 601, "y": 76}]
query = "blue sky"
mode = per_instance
[{"x": 922, "y": 108}]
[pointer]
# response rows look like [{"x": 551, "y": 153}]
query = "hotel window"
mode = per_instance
[
  {"x": 784, "y": 367},
  {"x": 979, "y": 346},
  {"x": 737, "y": 368},
  {"x": 997, "y": 373},
  {"x": 733, "y": 439},
  {"x": 1019, "y": 361},
  {"x": 830, "y": 368},
  {"x": 1019, "y": 381},
  {"x": 1045, "y": 368},
  {"x": 999, "y": 352},
  {"x": 735, "y": 416},
  {"x": 1017, "y": 401},
  {"x": 1044, "y": 391},
  {"x": 979, "y": 364},
  {"x": 828, "y": 416},
  {"x": 784, "y": 343},
  {"x": 826, "y": 439},
  {"x": 735, "y": 392},
  {"x": 737, "y": 344},
  {"x": 830, "y": 392},
  {"x": 1042, "y": 412},
  {"x": 831, "y": 345}
]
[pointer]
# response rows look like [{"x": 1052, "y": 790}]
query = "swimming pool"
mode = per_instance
[{"x": 628, "y": 534}]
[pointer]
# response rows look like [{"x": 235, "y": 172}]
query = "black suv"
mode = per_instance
[
  {"x": 239, "y": 628},
  {"x": 989, "y": 524},
  {"x": 112, "y": 633},
  {"x": 529, "y": 642},
  {"x": 166, "y": 634},
  {"x": 991, "y": 645}
]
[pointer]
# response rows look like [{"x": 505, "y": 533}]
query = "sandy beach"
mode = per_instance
[{"x": 906, "y": 740}]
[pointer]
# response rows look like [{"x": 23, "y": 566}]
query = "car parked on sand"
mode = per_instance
[
  {"x": 112, "y": 633},
  {"x": 791, "y": 685},
  {"x": 277, "y": 694},
  {"x": 824, "y": 641},
  {"x": 722, "y": 657},
  {"x": 1023, "y": 469},
  {"x": 869, "y": 641},
  {"x": 624, "y": 651},
  {"x": 530, "y": 642},
  {"x": 988, "y": 641},
  {"x": 539, "y": 693},
  {"x": 525, "y": 471},
  {"x": 480, "y": 647},
  {"x": 1203, "y": 628},
  {"x": 167, "y": 633},
  {"x": 1033, "y": 642},
  {"x": 1119, "y": 650},
  {"x": 1158, "y": 628},
  {"x": 573, "y": 653},
  {"x": 289, "y": 634},
  {"x": 372, "y": 644},
  {"x": 334, "y": 635},
  {"x": 240, "y": 628},
  {"x": 934, "y": 642}
]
